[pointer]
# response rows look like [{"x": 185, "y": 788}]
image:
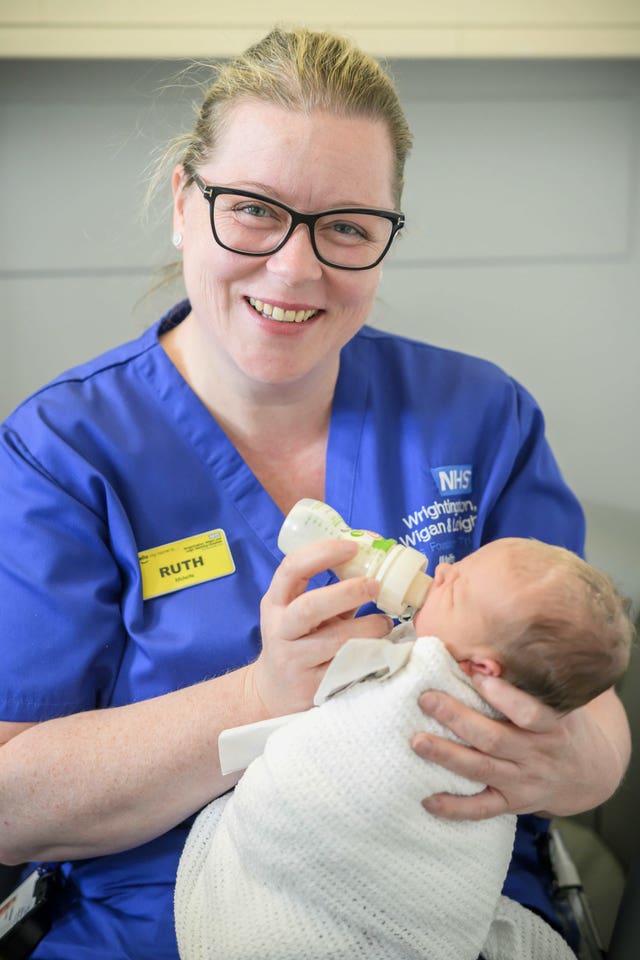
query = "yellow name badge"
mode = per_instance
[{"x": 183, "y": 563}]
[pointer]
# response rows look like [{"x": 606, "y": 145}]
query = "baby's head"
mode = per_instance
[{"x": 538, "y": 615}]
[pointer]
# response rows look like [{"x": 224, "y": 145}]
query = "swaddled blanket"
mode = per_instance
[{"x": 324, "y": 852}]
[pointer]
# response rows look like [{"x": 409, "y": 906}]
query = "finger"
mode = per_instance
[
  {"x": 297, "y": 568},
  {"x": 314, "y": 608},
  {"x": 497, "y": 738},
  {"x": 320, "y": 647},
  {"x": 375, "y": 625},
  {"x": 521, "y": 708},
  {"x": 463, "y": 760},
  {"x": 337, "y": 632},
  {"x": 487, "y": 803}
]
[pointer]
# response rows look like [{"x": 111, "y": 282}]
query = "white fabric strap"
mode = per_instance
[{"x": 362, "y": 659}]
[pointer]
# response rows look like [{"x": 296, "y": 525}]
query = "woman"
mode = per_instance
[{"x": 181, "y": 452}]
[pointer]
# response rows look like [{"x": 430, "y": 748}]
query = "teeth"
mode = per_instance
[{"x": 282, "y": 316}]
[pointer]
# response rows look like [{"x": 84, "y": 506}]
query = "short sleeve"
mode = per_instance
[
  {"x": 535, "y": 501},
  {"x": 61, "y": 632}
]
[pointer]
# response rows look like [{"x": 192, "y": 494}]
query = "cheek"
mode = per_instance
[
  {"x": 211, "y": 270},
  {"x": 356, "y": 292},
  {"x": 423, "y": 621},
  {"x": 435, "y": 616}
]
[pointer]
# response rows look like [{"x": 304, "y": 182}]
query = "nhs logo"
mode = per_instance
[{"x": 454, "y": 479}]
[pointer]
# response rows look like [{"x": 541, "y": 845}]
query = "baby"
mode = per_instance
[
  {"x": 537, "y": 615},
  {"x": 324, "y": 852}
]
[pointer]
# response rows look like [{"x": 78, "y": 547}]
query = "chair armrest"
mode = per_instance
[{"x": 625, "y": 940}]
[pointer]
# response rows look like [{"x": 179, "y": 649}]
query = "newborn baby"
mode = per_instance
[{"x": 324, "y": 852}]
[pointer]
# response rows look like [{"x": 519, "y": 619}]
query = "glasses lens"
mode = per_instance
[
  {"x": 248, "y": 225},
  {"x": 352, "y": 239},
  {"x": 346, "y": 239}
]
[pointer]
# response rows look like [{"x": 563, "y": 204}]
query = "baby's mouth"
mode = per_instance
[{"x": 277, "y": 313}]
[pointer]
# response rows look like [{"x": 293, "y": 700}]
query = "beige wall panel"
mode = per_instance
[
  {"x": 484, "y": 13},
  {"x": 409, "y": 28}
]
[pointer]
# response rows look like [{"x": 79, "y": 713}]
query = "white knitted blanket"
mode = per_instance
[{"x": 324, "y": 852}]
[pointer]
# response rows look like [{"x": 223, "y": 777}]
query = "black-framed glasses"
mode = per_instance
[{"x": 351, "y": 238}]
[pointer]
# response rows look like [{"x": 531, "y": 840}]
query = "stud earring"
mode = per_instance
[{"x": 176, "y": 239}]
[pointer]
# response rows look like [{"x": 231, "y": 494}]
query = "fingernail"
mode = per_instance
[
  {"x": 428, "y": 702},
  {"x": 421, "y": 744},
  {"x": 373, "y": 588}
]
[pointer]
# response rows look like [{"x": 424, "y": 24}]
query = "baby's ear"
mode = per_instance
[{"x": 486, "y": 666}]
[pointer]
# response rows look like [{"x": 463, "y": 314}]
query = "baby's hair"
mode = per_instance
[{"x": 578, "y": 642}]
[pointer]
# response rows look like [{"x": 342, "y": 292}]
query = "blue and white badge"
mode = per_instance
[{"x": 453, "y": 480}]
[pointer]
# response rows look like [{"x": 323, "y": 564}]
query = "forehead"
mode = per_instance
[
  {"x": 523, "y": 580},
  {"x": 310, "y": 160},
  {"x": 495, "y": 577},
  {"x": 489, "y": 557},
  {"x": 515, "y": 554}
]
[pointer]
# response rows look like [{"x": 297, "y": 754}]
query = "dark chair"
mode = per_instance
[
  {"x": 605, "y": 846},
  {"x": 625, "y": 941},
  {"x": 9, "y": 877}
]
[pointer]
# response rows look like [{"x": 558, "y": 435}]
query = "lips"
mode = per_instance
[{"x": 272, "y": 312}]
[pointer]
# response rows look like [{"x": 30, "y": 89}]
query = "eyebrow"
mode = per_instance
[
  {"x": 271, "y": 194},
  {"x": 254, "y": 185}
]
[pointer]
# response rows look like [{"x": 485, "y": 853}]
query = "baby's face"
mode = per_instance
[{"x": 469, "y": 603}]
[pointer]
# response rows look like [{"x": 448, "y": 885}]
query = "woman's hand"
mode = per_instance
[
  {"x": 535, "y": 761},
  {"x": 303, "y": 630}
]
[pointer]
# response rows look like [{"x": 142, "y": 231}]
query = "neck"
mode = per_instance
[
  {"x": 280, "y": 429},
  {"x": 246, "y": 407},
  {"x": 282, "y": 418}
]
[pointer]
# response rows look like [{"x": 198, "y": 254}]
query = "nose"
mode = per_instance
[{"x": 296, "y": 261}]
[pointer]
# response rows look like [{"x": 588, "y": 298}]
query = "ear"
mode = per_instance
[
  {"x": 178, "y": 179},
  {"x": 485, "y": 665}
]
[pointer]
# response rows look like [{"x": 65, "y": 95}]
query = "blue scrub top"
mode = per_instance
[{"x": 438, "y": 449}]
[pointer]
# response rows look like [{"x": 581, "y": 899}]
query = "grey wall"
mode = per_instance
[{"x": 521, "y": 244}]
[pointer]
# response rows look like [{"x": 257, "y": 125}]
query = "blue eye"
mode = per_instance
[
  {"x": 254, "y": 209},
  {"x": 350, "y": 230},
  {"x": 248, "y": 210},
  {"x": 347, "y": 228}
]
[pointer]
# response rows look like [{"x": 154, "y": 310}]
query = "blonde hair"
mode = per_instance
[
  {"x": 578, "y": 643},
  {"x": 300, "y": 70}
]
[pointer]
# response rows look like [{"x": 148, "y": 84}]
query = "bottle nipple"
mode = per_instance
[{"x": 418, "y": 590}]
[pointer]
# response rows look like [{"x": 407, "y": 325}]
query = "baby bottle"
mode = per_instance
[{"x": 399, "y": 570}]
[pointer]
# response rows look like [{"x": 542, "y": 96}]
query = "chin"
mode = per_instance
[
  {"x": 285, "y": 366},
  {"x": 272, "y": 374}
]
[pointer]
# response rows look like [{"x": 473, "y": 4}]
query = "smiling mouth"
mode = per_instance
[{"x": 277, "y": 313}]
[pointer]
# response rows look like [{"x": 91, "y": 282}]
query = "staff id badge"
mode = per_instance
[{"x": 184, "y": 563}]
